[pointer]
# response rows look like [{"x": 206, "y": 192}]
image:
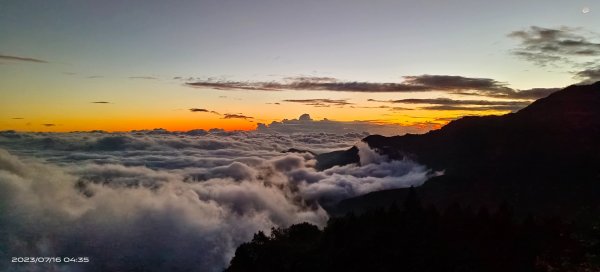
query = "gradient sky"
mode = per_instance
[{"x": 57, "y": 57}]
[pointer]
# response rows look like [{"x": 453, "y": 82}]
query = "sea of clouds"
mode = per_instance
[{"x": 165, "y": 201}]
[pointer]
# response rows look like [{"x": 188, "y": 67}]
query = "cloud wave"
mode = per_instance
[{"x": 163, "y": 201}]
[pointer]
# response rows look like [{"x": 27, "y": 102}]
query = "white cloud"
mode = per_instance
[
  {"x": 169, "y": 201},
  {"x": 305, "y": 124}
]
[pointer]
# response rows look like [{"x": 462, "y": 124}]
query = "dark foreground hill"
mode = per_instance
[
  {"x": 543, "y": 159},
  {"x": 414, "y": 238}
]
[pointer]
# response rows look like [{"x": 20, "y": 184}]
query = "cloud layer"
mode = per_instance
[
  {"x": 544, "y": 46},
  {"x": 305, "y": 124},
  {"x": 162, "y": 201},
  {"x": 422, "y": 83},
  {"x": 453, "y": 104}
]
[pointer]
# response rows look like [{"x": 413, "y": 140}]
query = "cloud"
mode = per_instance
[
  {"x": 169, "y": 225},
  {"x": 169, "y": 201},
  {"x": 236, "y": 85},
  {"x": 308, "y": 85},
  {"x": 17, "y": 118},
  {"x": 305, "y": 124},
  {"x": 21, "y": 59},
  {"x": 381, "y": 106},
  {"x": 376, "y": 173},
  {"x": 564, "y": 46},
  {"x": 448, "y": 101},
  {"x": 320, "y": 102},
  {"x": 477, "y": 86},
  {"x": 397, "y": 108},
  {"x": 95, "y": 77},
  {"x": 470, "y": 105},
  {"x": 203, "y": 110},
  {"x": 458, "y": 83},
  {"x": 422, "y": 83},
  {"x": 532, "y": 94},
  {"x": 310, "y": 79},
  {"x": 236, "y": 116},
  {"x": 143, "y": 77},
  {"x": 544, "y": 46},
  {"x": 49, "y": 125},
  {"x": 100, "y": 102},
  {"x": 470, "y": 108},
  {"x": 589, "y": 75}
]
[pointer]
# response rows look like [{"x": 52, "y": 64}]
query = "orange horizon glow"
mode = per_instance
[
  {"x": 129, "y": 125},
  {"x": 147, "y": 106},
  {"x": 428, "y": 121}
]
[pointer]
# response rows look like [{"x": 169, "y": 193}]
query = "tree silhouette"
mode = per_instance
[{"x": 417, "y": 239}]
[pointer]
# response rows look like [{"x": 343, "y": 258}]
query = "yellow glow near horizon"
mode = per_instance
[
  {"x": 193, "y": 121},
  {"x": 137, "y": 105}
]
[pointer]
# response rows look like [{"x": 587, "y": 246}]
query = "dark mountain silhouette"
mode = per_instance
[
  {"x": 417, "y": 238},
  {"x": 296, "y": 150},
  {"x": 544, "y": 158},
  {"x": 342, "y": 157},
  {"x": 508, "y": 180}
]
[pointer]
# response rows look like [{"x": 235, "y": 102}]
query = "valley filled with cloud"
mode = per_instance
[{"x": 162, "y": 201}]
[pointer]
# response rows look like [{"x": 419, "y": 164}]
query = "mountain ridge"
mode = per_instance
[{"x": 544, "y": 158}]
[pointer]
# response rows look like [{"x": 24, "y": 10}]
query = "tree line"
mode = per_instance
[{"x": 417, "y": 238}]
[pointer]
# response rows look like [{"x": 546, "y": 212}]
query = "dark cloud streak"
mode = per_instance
[
  {"x": 320, "y": 102},
  {"x": 203, "y": 110},
  {"x": 21, "y": 59},
  {"x": 143, "y": 77},
  {"x": 311, "y": 79},
  {"x": 471, "y": 108},
  {"x": 422, "y": 83},
  {"x": 458, "y": 83},
  {"x": 236, "y": 116},
  {"x": 447, "y": 101},
  {"x": 446, "y": 104}
]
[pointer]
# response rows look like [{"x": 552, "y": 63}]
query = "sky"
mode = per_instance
[{"x": 132, "y": 65}]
